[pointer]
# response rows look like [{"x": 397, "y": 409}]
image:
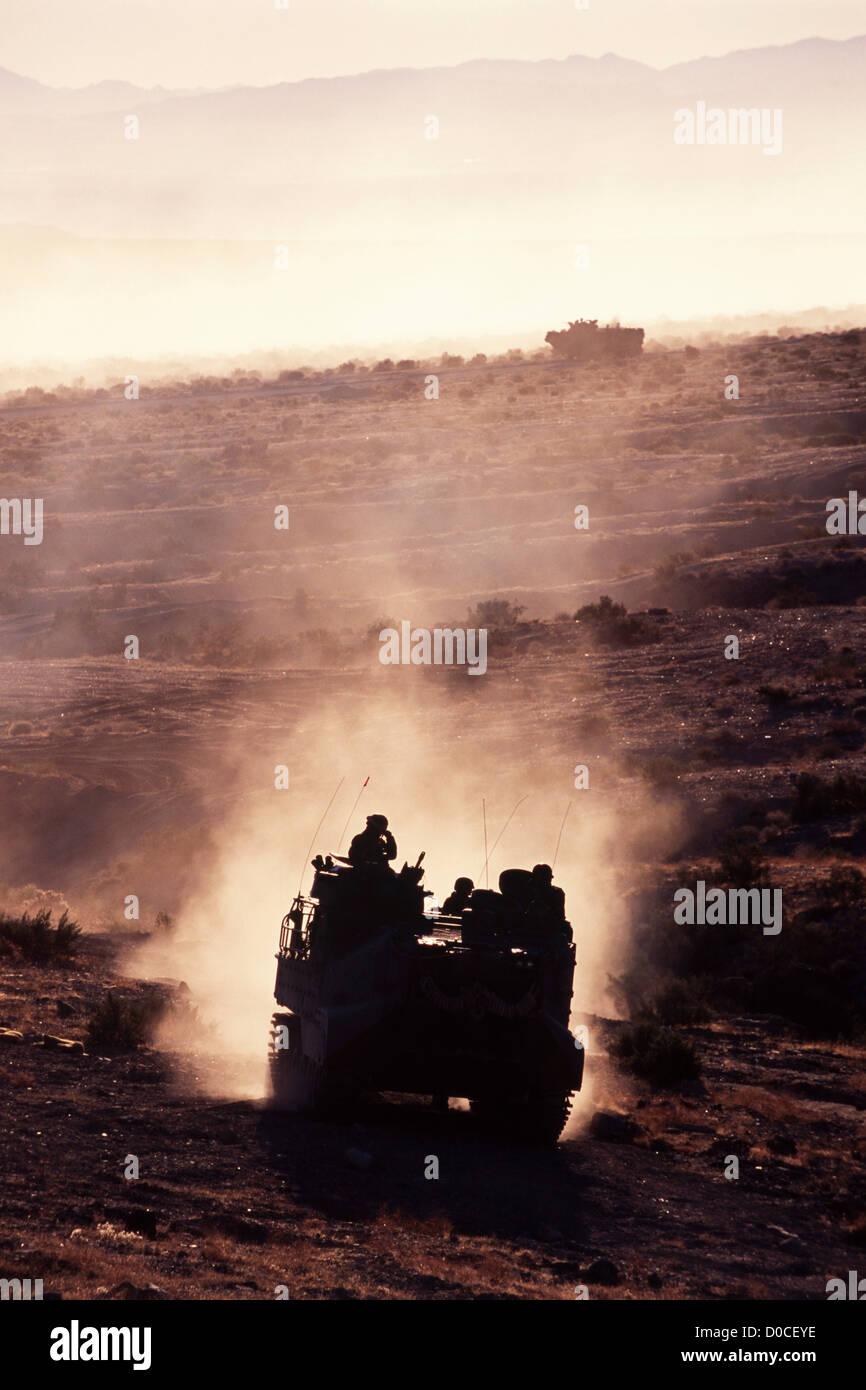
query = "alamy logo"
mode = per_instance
[
  {"x": 444, "y": 646},
  {"x": 22, "y": 516},
  {"x": 76, "y": 1343},
  {"x": 855, "y": 1290},
  {"x": 846, "y": 518},
  {"x": 748, "y": 907},
  {"x": 736, "y": 126},
  {"x": 20, "y": 1290}
]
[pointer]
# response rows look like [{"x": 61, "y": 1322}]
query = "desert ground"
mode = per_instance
[{"x": 152, "y": 776}]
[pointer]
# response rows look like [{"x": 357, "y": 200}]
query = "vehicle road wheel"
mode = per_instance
[
  {"x": 294, "y": 1078},
  {"x": 538, "y": 1120},
  {"x": 297, "y": 1083}
]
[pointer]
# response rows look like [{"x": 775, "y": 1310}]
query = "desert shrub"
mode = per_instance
[
  {"x": 817, "y": 798},
  {"x": 847, "y": 733},
  {"x": 741, "y": 861},
  {"x": 658, "y": 1055},
  {"x": 812, "y": 973},
  {"x": 123, "y": 1024},
  {"x": 611, "y": 624},
  {"x": 792, "y": 596},
  {"x": 494, "y": 613},
  {"x": 838, "y": 666},
  {"x": 813, "y": 991},
  {"x": 723, "y": 745},
  {"x": 667, "y": 568},
  {"x": 219, "y": 642},
  {"x": 682, "y": 1002},
  {"x": 843, "y": 887},
  {"x": 774, "y": 695},
  {"x": 836, "y": 577},
  {"x": 601, "y": 613},
  {"x": 36, "y": 939}
]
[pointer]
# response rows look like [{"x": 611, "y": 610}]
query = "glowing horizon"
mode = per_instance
[{"x": 214, "y": 44}]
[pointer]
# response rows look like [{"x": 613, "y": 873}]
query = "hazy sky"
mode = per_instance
[{"x": 186, "y": 43}]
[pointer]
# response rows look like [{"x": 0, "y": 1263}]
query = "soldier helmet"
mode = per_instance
[
  {"x": 463, "y": 885},
  {"x": 543, "y": 871},
  {"x": 377, "y": 822}
]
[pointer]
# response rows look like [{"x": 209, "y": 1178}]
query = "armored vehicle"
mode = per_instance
[
  {"x": 584, "y": 341},
  {"x": 377, "y": 995}
]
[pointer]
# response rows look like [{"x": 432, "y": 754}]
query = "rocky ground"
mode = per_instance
[
  {"x": 234, "y": 1200},
  {"x": 155, "y": 777}
]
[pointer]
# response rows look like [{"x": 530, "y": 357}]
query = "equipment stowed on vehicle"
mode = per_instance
[{"x": 375, "y": 995}]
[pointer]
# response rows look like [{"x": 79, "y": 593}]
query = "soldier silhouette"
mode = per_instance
[
  {"x": 374, "y": 845},
  {"x": 549, "y": 900},
  {"x": 458, "y": 898}
]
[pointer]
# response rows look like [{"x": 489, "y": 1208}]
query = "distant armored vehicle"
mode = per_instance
[
  {"x": 584, "y": 341},
  {"x": 376, "y": 995}
]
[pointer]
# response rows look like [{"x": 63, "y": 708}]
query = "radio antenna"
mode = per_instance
[
  {"x": 351, "y": 814},
  {"x": 316, "y": 831},
  {"x": 486, "y": 856},
  {"x": 559, "y": 836},
  {"x": 501, "y": 833}
]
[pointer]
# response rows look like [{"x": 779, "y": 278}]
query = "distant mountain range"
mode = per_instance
[
  {"x": 392, "y": 235},
  {"x": 570, "y": 148},
  {"x": 812, "y": 61}
]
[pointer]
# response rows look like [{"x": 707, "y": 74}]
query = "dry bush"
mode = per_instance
[
  {"x": 658, "y": 1055},
  {"x": 36, "y": 939}
]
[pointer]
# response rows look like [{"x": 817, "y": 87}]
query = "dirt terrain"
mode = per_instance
[
  {"x": 234, "y": 1200},
  {"x": 258, "y": 647}
]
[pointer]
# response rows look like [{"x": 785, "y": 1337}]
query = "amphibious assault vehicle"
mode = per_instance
[
  {"x": 377, "y": 995},
  {"x": 584, "y": 341}
]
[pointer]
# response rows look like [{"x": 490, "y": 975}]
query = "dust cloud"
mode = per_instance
[{"x": 429, "y": 763}]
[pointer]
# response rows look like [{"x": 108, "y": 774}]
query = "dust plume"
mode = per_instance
[{"x": 431, "y": 757}]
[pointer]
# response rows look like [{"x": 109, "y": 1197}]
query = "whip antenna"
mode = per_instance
[
  {"x": 486, "y": 856},
  {"x": 316, "y": 831},
  {"x": 351, "y": 814},
  {"x": 559, "y": 836},
  {"x": 501, "y": 833}
]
